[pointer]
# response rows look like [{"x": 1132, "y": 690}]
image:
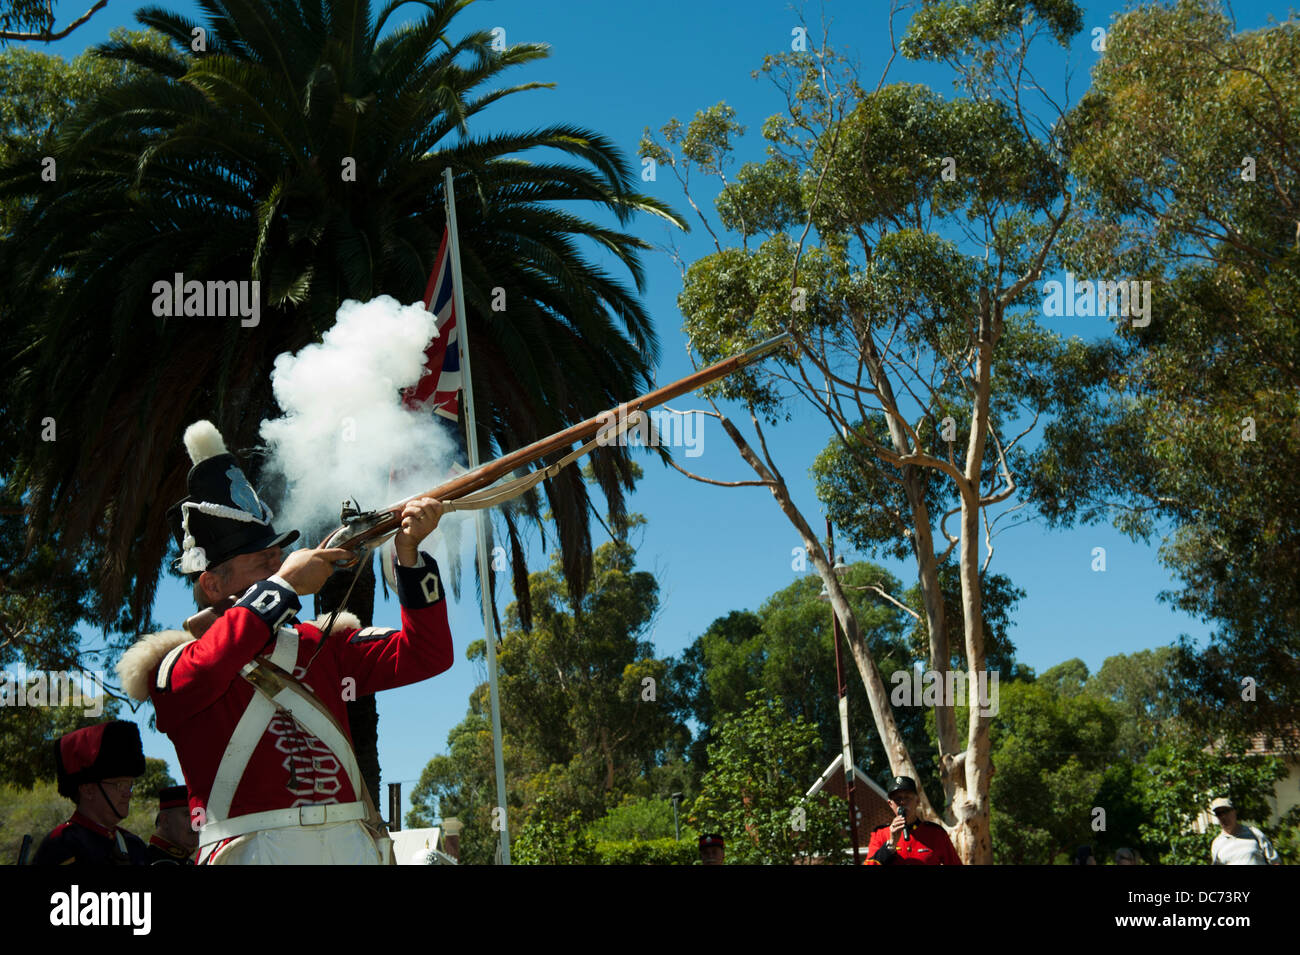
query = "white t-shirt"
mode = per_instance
[{"x": 1248, "y": 846}]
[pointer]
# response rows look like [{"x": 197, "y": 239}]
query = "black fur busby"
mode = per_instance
[{"x": 95, "y": 753}]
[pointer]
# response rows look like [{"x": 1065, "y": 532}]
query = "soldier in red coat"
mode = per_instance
[
  {"x": 909, "y": 840},
  {"x": 256, "y": 706}
]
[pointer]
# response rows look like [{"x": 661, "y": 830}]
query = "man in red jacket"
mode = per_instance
[
  {"x": 271, "y": 774},
  {"x": 909, "y": 840}
]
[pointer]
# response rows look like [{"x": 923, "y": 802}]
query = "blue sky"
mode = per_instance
[{"x": 619, "y": 68}]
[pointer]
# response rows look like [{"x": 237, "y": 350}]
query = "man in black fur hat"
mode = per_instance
[{"x": 96, "y": 768}]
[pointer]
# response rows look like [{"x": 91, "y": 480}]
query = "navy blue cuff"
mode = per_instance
[
  {"x": 884, "y": 855},
  {"x": 419, "y": 586},
  {"x": 274, "y": 604}
]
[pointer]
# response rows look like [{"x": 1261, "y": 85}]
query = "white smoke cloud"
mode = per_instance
[{"x": 344, "y": 432}]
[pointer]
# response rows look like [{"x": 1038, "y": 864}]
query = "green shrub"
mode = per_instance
[{"x": 647, "y": 852}]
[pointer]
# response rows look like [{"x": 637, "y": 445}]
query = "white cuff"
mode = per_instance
[
  {"x": 419, "y": 559},
  {"x": 277, "y": 579}
]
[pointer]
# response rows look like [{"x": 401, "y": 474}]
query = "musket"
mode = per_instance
[{"x": 362, "y": 531}]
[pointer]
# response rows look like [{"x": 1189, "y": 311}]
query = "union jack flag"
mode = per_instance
[{"x": 439, "y": 387}]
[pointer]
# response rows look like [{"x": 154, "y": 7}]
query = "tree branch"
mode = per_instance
[
  {"x": 897, "y": 603},
  {"x": 45, "y": 36},
  {"x": 704, "y": 480}
]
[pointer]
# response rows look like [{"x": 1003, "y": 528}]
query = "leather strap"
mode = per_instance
[
  {"x": 496, "y": 494},
  {"x": 248, "y": 733},
  {"x": 288, "y": 694},
  {"x": 285, "y": 654}
]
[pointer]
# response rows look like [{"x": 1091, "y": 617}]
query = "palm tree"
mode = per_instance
[{"x": 231, "y": 161}]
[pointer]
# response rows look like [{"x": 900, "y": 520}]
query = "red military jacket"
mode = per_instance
[
  {"x": 926, "y": 844},
  {"x": 199, "y": 695}
]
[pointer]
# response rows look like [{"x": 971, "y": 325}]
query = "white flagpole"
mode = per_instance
[{"x": 484, "y": 568}]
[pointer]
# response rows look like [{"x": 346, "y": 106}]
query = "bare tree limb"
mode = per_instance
[
  {"x": 46, "y": 36},
  {"x": 704, "y": 480},
  {"x": 897, "y": 603}
]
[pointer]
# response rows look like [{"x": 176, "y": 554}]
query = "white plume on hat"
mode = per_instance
[{"x": 203, "y": 441}]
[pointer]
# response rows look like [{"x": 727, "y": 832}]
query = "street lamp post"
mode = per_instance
[{"x": 840, "y": 568}]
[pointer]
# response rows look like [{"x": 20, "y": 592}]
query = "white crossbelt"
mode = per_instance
[
  {"x": 248, "y": 733},
  {"x": 315, "y": 815},
  {"x": 245, "y": 739}
]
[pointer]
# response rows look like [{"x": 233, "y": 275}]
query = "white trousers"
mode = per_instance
[{"x": 340, "y": 843}]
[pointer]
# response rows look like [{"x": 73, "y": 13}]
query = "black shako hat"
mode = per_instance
[
  {"x": 902, "y": 784},
  {"x": 95, "y": 753},
  {"x": 173, "y": 797},
  {"x": 223, "y": 517}
]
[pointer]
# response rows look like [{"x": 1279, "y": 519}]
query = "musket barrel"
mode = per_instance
[
  {"x": 762, "y": 349},
  {"x": 491, "y": 471}
]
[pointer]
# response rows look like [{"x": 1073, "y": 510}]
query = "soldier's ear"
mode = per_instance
[{"x": 210, "y": 582}]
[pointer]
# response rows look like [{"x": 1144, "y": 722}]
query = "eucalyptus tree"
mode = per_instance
[
  {"x": 1187, "y": 153},
  {"x": 898, "y": 236},
  {"x": 33, "y": 20}
]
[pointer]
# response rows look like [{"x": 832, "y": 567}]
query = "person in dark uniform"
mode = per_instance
[
  {"x": 96, "y": 767},
  {"x": 909, "y": 840},
  {"x": 174, "y": 840},
  {"x": 712, "y": 849}
]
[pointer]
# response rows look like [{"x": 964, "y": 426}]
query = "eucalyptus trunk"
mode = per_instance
[
  {"x": 900, "y": 760},
  {"x": 927, "y": 565},
  {"x": 971, "y": 800}
]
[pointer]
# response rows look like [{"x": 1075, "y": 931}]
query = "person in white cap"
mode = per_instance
[{"x": 1238, "y": 843}]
